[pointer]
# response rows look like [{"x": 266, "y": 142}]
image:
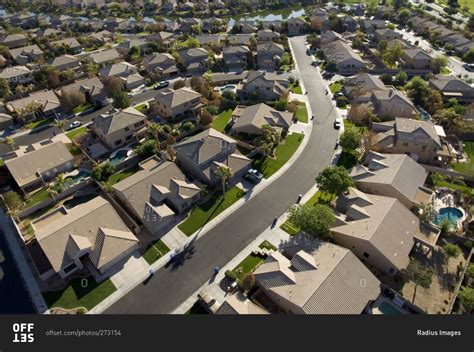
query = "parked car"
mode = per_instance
[
  {"x": 469, "y": 67},
  {"x": 75, "y": 124},
  {"x": 161, "y": 85},
  {"x": 253, "y": 176},
  {"x": 337, "y": 123},
  {"x": 337, "y": 95}
]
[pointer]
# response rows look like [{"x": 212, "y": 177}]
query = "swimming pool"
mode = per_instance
[
  {"x": 450, "y": 214},
  {"x": 387, "y": 308},
  {"x": 72, "y": 180},
  {"x": 119, "y": 155},
  {"x": 229, "y": 88}
]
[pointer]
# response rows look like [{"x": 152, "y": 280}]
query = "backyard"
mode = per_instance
[
  {"x": 466, "y": 168},
  {"x": 121, "y": 175},
  {"x": 283, "y": 152},
  {"x": 155, "y": 251},
  {"x": 79, "y": 292},
  {"x": 35, "y": 198},
  {"x": 78, "y": 132},
  {"x": 220, "y": 121},
  {"x": 439, "y": 180},
  {"x": 207, "y": 211}
]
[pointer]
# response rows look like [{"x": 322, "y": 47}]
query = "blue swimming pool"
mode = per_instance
[
  {"x": 118, "y": 156},
  {"x": 450, "y": 214},
  {"x": 387, "y": 308},
  {"x": 72, "y": 180}
]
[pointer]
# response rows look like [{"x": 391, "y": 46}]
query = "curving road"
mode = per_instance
[{"x": 171, "y": 286}]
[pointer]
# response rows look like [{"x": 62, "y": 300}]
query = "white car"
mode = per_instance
[
  {"x": 75, "y": 124},
  {"x": 337, "y": 123}
]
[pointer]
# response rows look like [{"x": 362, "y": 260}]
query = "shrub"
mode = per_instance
[
  {"x": 468, "y": 245},
  {"x": 452, "y": 250},
  {"x": 167, "y": 128},
  {"x": 230, "y": 275},
  {"x": 281, "y": 104},
  {"x": 341, "y": 102},
  {"x": 213, "y": 110},
  {"x": 187, "y": 126},
  {"x": 248, "y": 281}
]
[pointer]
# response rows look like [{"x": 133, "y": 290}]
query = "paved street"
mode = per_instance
[{"x": 171, "y": 286}]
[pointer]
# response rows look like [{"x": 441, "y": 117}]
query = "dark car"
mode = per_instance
[
  {"x": 253, "y": 176},
  {"x": 162, "y": 84}
]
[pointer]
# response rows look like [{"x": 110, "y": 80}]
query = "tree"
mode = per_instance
[
  {"x": 313, "y": 220},
  {"x": 5, "y": 90},
  {"x": 350, "y": 139},
  {"x": 101, "y": 172},
  {"x": 281, "y": 104},
  {"x": 469, "y": 56},
  {"x": 113, "y": 84},
  {"x": 403, "y": 16},
  {"x": 421, "y": 94},
  {"x": 451, "y": 250},
  {"x": 10, "y": 142},
  {"x": 466, "y": 296},
  {"x": 470, "y": 24},
  {"x": 248, "y": 281},
  {"x": 419, "y": 274},
  {"x": 269, "y": 140},
  {"x": 401, "y": 78},
  {"x": 334, "y": 180},
  {"x": 71, "y": 99},
  {"x": 169, "y": 146},
  {"x": 155, "y": 129},
  {"x": 13, "y": 202},
  {"x": 179, "y": 84},
  {"x": 147, "y": 149},
  {"x": 121, "y": 100},
  {"x": 225, "y": 173},
  {"x": 205, "y": 118},
  {"x": 91, "y": 70},
  {"x": 438, "y": 63}
]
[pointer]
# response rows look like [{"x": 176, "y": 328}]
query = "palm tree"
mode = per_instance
[
  {"x": 52, "y": 191},
  {"x": 59, "y": 182},
  {"x": 10, "y": 142},
  {"x": 225, "y": 173},
  {"x": 155, "y": 129},
  {"x": 169, "y": 146}
]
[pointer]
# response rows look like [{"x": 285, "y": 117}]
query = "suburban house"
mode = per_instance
[
  {"x": 201, "y": 155},
  {"x": 329, "y": 37},
  {"x": 13, "y": 41},
  {"x": 316, "y": 278},
  {"x": 92, "y": 89},
  {"x": 210, "y": 39},
  {"x": 71, "y": 45},
  {"x": 236, "y": 58},
  {"x": 370, "y": 26},
  {"x": 386, "y": 34},
  {"x": 103, "y": 58},
  {"x": 125, "y": 47},
  {"x": 45, "y": 102},
  {"x": 157, "y": 193},
  {"x": 250, "y": 119},
  {"x": 267, "y": 35},
  {"x": 103, "y": 37},
  {"x": 17, "y": 75},
  {"x": 5, "y": 121},
  {"x": 346, "y": 59},
  {"x": 390, "y": 103},
  {"x": 416, "y": 58},
  {"x": 297, "y": 26},
  {"x": 360, "y": 87},
  {"x": 239, "y": 39},
  {"x": 91, "y": 230},
  {"x": 31, "y": 167},
  {"x": 239, "y": 304},
  {"x": 117, "y": 128},
  {"x": 453, "y": 87},
  {"x": 194, "y": 60},
  {"x": 244, "y": 27},
  {"x": 65, "y": 62},
  {"x": 378, "y": 230},
  {"x": 165, "y": 39},
  {"x": 186, "y": 24},
  {"x": 393, "y": 175},
  {"x": 128, "y": 73},
  {"x": 263, "y": 85},
  {"x": 173, "y": 104},
  {"x": 422, "y": 140},
  {"x": 269, "y": 55},
  {"x": 26, "y": 54},
  {"x": 161, "y": 64}
]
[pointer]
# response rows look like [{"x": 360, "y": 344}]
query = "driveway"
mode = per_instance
[{"x": 173, "y": 285}]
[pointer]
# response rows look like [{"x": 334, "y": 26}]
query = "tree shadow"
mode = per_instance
[{"x": 180, "y": 257}]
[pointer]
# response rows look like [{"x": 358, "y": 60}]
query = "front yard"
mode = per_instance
[
  {"x": 78, "y": 132},
  {"x": 81, "y": 108},
  {"x": 207, "y": 211},
  {"x": 220, "y": 121},
  {"x": 248, "y": 265},
  {"x": 302, "y": 113},
  {"x": 283, "y": 152},
  {"x": 155, "y": 251},
  {"x": 38, "y": 123},
  {"x": 79, "y": 292},
  {"x": 296, "y": 89},
  {"x": 335, "y": 87}
]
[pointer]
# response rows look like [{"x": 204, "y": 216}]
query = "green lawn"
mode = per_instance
[
  {"x": 335, "y": 87},
  {"x": 121, "y": 175},
  {"x": 78, "y": 132},
  {"x": 267, "y": 245},
  {"x": 204, "y": 213},
  {"x": 296, "y": 89},
  {"x": 462, "y": 3},
  {"x": 268, "y": 166},
  {"x": 221, "y": 120},
  {"x": 464, "y": 189},
  {"x": 39, "y": 123},
  {"x": 155, "y": 251},
  {"x": 81, "y": 108},
  {"x": 302, "y": 113},
  {"x": 445, "y": 71},
  {"x": 289, "y": 228},
  {"x": 349, "y": 124},
  {"x": 142, "y": 107},
  {"x": 248, "y": 265},
  {"x": 467, "y": 168},
  {"x": 80, "y": 293},
  {"x": 36, "y": 198}
]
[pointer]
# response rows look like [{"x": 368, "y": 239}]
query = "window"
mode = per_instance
[
  {"x": 136, "y": 125},
  {"x": 391, "y": 270},
  {"x": 128, "y": 137},
  {"x": 405, "y": 144},
  {"x": 126, "y": 129},
  {"x": 70, "y": 268},
  {"x": 118, "y": 142},
  {"x": 366, "y": 255}
]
